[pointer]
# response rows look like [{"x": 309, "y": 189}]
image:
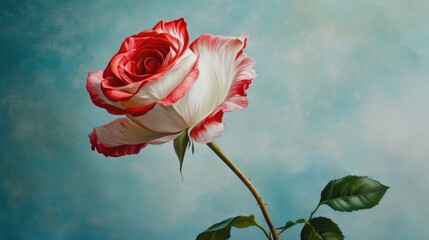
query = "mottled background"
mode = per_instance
[{"x": 342, "y": 88}]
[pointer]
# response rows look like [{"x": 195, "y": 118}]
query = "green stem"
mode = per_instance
[
  {"x": 284, "y": 229},
  {"x": 249, "y": 185},
  {"x": 313, "y": 212}
]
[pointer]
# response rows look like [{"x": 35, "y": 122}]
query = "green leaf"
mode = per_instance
[
  {"x": 352, "y": 193},
  {"x": 290, "y": 224},
  {"x": 321, "y": 228},
  {"x": 222, "y": 230},
  {"x": 181, "y": 144}
]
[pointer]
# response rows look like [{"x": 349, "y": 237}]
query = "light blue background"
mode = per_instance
[{"x": 342, "y": 88}]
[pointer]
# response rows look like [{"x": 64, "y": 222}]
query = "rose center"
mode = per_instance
[{"x": 151, "y": 65}]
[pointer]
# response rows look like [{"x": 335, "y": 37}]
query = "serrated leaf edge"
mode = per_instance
[
  {"x": 383, "y": 188},
  {"x": 356, "y": 195}
]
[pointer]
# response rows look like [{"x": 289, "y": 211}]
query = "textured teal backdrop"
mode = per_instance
[{"x": 342, "y": 88}]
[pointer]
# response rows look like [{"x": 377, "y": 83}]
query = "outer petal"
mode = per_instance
[
  {"x": 162, "y": 119},
  {"x": 122, "y": 137},
  {"x": 237, "y": 96},
  {"x": 244, "y": 74},
  {"x": 93, "y": 87},
  {"x": 209, "y": 129},
  {"x": 225, "y": 74}
]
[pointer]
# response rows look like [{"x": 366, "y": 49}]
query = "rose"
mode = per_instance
[{"x": 164, "y": 85}]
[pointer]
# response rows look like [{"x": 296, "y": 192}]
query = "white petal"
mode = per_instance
[
  {"x": 217, "y": 67},
  {"x": 162, "y": 119},
  {"x": 123, "y": 136}
]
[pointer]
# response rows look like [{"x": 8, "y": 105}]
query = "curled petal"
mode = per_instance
[
  {"x": 93, "y": 87},
  {"x": 176, "y": 28},
  {"x": 180, "y": 90},
  {"x": 172, "y": 85},
  {"x": 244, "y": 73},
  {"x": 142, "y": 38},
  {"x": 116, "y": 94},
  {"x": 209, "y": 129},
  {"x": 237, "y": 96},
  {"x": 122, "y": 137}
]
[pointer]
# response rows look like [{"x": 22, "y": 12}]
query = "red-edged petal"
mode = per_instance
[
  {"x": 209, "y": 129},
  {"x": 236, "y": 98},
  {"x": 176, "y": 28},
  {"x": 170, "y": 40},
  {"x": 115, "y": 94},
  {"x": 141, "y": 38},
  {"x": 172, "y": 85},
  {"x": 183, "y": 87},
  {"x": 113, "y": 65},
  {"x": 123, "y": 137},
  {"x": 225, "y": 75},
  {"x": 138, "y": 111},
  {"x": 244, "y": 74},
  {"x": 219, "y": 68},
  {"x": 165, "y": 87},
  {"x": 93, "y": 87}
]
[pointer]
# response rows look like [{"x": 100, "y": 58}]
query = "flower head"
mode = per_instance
[{"x": 163, "y": 85}]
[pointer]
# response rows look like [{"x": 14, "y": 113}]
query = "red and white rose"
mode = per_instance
[{"x": 164, "y": 85}]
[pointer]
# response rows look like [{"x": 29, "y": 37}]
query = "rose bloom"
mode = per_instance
[{"x": 164, "y": 85}]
